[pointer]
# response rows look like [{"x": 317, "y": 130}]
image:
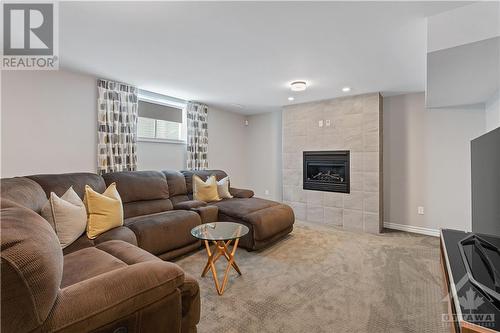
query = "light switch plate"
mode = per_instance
[
  {"x": 420, "y": 210},
  {"x": 320, "y": 123},
  {"x": 328, "y": 123}
]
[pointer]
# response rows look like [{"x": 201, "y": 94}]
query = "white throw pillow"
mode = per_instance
[
  {"x": 223, "y": 188},
  {"x": 67, "y": 215}
]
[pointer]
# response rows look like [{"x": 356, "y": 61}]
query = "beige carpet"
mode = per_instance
[{"x": 325, "y": 279}]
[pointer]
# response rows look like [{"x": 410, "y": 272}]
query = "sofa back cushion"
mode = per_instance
[
  {"x": 59, "y": 183},
  {"x": 203, "y": 174},
  {"x": 31, "y": 265},
  {"x": 176, "y": 182},
  {"x": 138, "y": 185},
  {"x": 24, "y": 192},
  {"x": 142, "y": 192},
  {"x": 176, "y": 186}
]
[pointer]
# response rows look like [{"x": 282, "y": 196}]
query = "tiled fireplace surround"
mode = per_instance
[{"x": 355, "y": 125}]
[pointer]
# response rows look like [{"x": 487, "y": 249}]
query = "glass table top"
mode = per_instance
[{"x": 217, "y": 231}]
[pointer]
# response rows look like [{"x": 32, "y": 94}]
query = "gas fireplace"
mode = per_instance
[{"x": 326, "y": 171}]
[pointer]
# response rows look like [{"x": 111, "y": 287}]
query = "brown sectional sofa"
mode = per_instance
[{"x": 118, "y": 280}]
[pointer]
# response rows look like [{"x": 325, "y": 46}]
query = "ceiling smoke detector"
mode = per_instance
[
  {"x": 298, "y": 85},
  {"x": 291, "y": 98},
  {"x": 346, "y": 89}
]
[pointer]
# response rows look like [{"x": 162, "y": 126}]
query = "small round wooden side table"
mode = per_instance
[{"x": 221, "y": 234}]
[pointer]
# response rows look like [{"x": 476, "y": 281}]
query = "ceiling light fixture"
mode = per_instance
[
  {"x": 346, "y": 89},
  {"x": 291, "y": 98},
  {"x": 298, "y": 85}
]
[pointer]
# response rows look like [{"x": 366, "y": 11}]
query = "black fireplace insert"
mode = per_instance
[{"x": 326, "y": 171}]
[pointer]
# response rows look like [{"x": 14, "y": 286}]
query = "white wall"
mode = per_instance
[
  {"x": 263, "y": 151},
  {"x": 463, "y": 25},
  {"x": 160, "y": 156},
  {"x": 49, "y": 126},
  {"x": 227, "y": 145},
  {"x": 492, "y": 107},
  {"x": 427, "y": 162},
  {"x": 48, "y": 122}
]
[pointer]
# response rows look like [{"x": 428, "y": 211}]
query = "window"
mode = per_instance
[{"x": 161, "y": 118}]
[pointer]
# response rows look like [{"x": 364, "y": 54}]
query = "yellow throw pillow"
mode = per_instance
[
  {"x": 205, "y": 191},
  {"x": 105, "y": 211}
]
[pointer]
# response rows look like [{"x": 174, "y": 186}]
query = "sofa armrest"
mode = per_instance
[
  {"x": 241, "y": 193},
  {"x": 207, "y": 213},
  {"x": 105, "y": 298},
  {"x": 189, "y": 204},
  {"x": 191, "y": 306}
]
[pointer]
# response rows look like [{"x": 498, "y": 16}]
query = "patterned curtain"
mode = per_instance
[
  {"x": 116, "y": 127},
  {"x": 197, "y": 136}
]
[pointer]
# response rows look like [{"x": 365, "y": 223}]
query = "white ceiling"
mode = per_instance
[{"x": 246, "y": 53}]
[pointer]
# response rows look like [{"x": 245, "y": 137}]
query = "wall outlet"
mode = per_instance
[
  {"x": 328, "y": 123},
  {"x": 420, "y": 210},
  {"x": 266, "y": 192},
  {"x": 320, "y": 123}
]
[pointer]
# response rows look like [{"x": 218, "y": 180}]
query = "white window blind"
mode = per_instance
[
  {"x": 145, "y": 127},
  {"x": 167, "y": 130},
  {"x": 161, "y": 119}
]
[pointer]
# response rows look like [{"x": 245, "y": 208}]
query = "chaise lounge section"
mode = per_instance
[{"x": 267, "y": 220}]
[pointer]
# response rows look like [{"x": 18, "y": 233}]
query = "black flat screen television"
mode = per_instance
[{"x": 485, "y": 156}]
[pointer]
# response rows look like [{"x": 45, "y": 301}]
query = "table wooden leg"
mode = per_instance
[
  {"x": 230, "y": 264},
  {"x": 228, "y": 257},
  {"x": 209, "y": 253},
  {"x": 221, "y": 249}
]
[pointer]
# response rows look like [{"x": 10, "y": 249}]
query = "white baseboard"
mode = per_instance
[{"x": 410, "y": 228}]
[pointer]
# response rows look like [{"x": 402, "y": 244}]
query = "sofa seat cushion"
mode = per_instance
[
  {"x": 80, "y": 243},
  {"x": 126, "y": 252},
  {"x": 241, "y": 207},
  {"x": 87, "y": 263},
  {"x": 187, "y": 205},
  {"x": 162, "y": 232},
  {"x": 270, "y": 221}
]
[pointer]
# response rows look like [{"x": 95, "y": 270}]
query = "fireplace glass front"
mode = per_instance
[{"x": 326, "y": 171}]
